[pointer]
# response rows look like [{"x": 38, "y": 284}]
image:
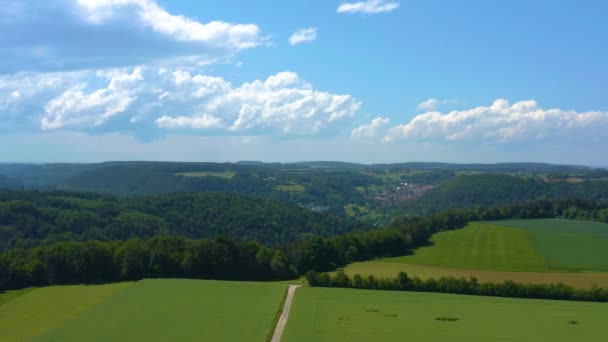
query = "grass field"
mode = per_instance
[
  {"x": 40, "y": 311},
  {"x": 568, "y": 245},
  {"x": 479, "y": 246},
  {"x": 535, "y": 251},
  {"x": 291, "y": 188},
  {"x": 326, "y": 314},
  {"x": 149, "y": 310},
  {"x": 225, "y": 174},
  {"x": 7, "y": 296}
]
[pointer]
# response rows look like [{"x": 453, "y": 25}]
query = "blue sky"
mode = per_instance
[{"x": 365, "y": 81}]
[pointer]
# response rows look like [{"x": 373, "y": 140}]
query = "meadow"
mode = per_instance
[
  {"x": 291, "y": 188},
  {"x": 535, "y": 251},
  {"x": 150, "y": 310},
  {"x": 331, "y": 314},
  {"x": 479, "y": 246},
  {"x": 568, "y": 245},
  {"x": 196, "y": 174}
]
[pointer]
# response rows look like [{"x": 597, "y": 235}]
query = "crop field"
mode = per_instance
[
  {"x": 330, "y": 314},
  {"x": 225, "y": 174},
  {"x": 568, "y": 245},
  {"x": 291, "y": 188},
  {"x": 149, "y": 310},
  {"x": 518, "y": 245},
  {"x": 535, "y": 251},
  {"x": 479, "y": 246}
]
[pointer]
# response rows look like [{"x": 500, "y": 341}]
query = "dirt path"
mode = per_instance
[{"x": 278, "y": 331}]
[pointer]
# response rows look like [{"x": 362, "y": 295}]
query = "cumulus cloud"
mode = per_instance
[
  {"x": 80, "y": 34},
  {"x": 503, "y": 122},
  {"x": 303, "y": 36},
  {"x": 371, "y": 131},
  {"x": 146, "y": 99},
  {"x": 368, "y": 7}
]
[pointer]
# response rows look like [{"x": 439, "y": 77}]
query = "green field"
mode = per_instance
[
  {"x": 535, "y": 251},
  {"x": 196, "y": 174},
  {"x": 149, "y": 310},
  {"x": 291, "y": 188},
  {"x": 326, "y": 314},
  {"x": 479, "y": 246},
  {"x": 568, "y": 245},
  {"x": 518, "y": 245}
]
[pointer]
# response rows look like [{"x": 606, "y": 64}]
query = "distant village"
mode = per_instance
[{"x": 402, "y": 192}]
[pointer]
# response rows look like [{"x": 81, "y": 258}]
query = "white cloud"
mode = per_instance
[
  {"x": 368, "y": 7},
  {"x": 504, "y": 123},
  {"x": 432, "y": 104},
  {"x": 375, "y": 129},
  {"x": 81, "y": 34},
  {"x": 429, "y": 104},
  {"x": 149, "y": 101},
  {"x": 76, "y": 108},
  {"x": 151, "y": 15},
  {"x": 303, "y": 36},
  {"x": 204, "y": 121}
]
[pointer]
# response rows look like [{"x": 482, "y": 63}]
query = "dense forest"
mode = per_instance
[
  {"x": 31, "y": 218},
  {"x": 467, "y": 191},
  {"x": 224, "y": 258}
]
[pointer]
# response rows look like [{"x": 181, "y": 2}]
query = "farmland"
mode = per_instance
[
  {"x": 479, "y": 246},
  {"x": 518, "y": 245},
  {"x": 197, "y": 174},
  {"x": 326, "y": 314},
  {"x": 151, "y": 310},
  {"x": 535, "y": 251}
]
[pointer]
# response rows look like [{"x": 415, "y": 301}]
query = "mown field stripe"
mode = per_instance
[
  {"x": 479, "y": 246},
  {"x": 42, "y": 310}
]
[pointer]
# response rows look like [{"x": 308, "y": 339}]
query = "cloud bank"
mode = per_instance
[
  {"x": 145, "y": 99},
  {"x": 505, "y": 123},
  {"x": 79, "y": 34}
]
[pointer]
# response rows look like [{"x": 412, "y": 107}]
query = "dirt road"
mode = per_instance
[{"x": 278, "y": 331}]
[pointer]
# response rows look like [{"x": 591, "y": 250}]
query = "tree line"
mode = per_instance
[
  {"x": 94, "y": 262},
  {"x": 457, "y": 286}
]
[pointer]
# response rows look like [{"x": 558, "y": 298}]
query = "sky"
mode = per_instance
[{"x": 360, "y": 81}]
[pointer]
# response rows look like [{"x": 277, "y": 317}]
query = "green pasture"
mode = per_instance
[
  {"x": 148, "y": 310},
  {"x": 330, "y": 314},
  {"x": 568, "y": 245},
  {"x": 550, "y": 245},
  {"x": 291, "y": 188},
  {"x": 479, "y": 246},
  {"x": 198, "y": 174},
  {"x": 42, "y": 310}
]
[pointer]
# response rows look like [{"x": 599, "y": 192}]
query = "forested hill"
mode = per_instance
[
  {"x": 6, "y": 182},
  {"x": 489, "y": 190},
  {"x": 32, "y": 218}
]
